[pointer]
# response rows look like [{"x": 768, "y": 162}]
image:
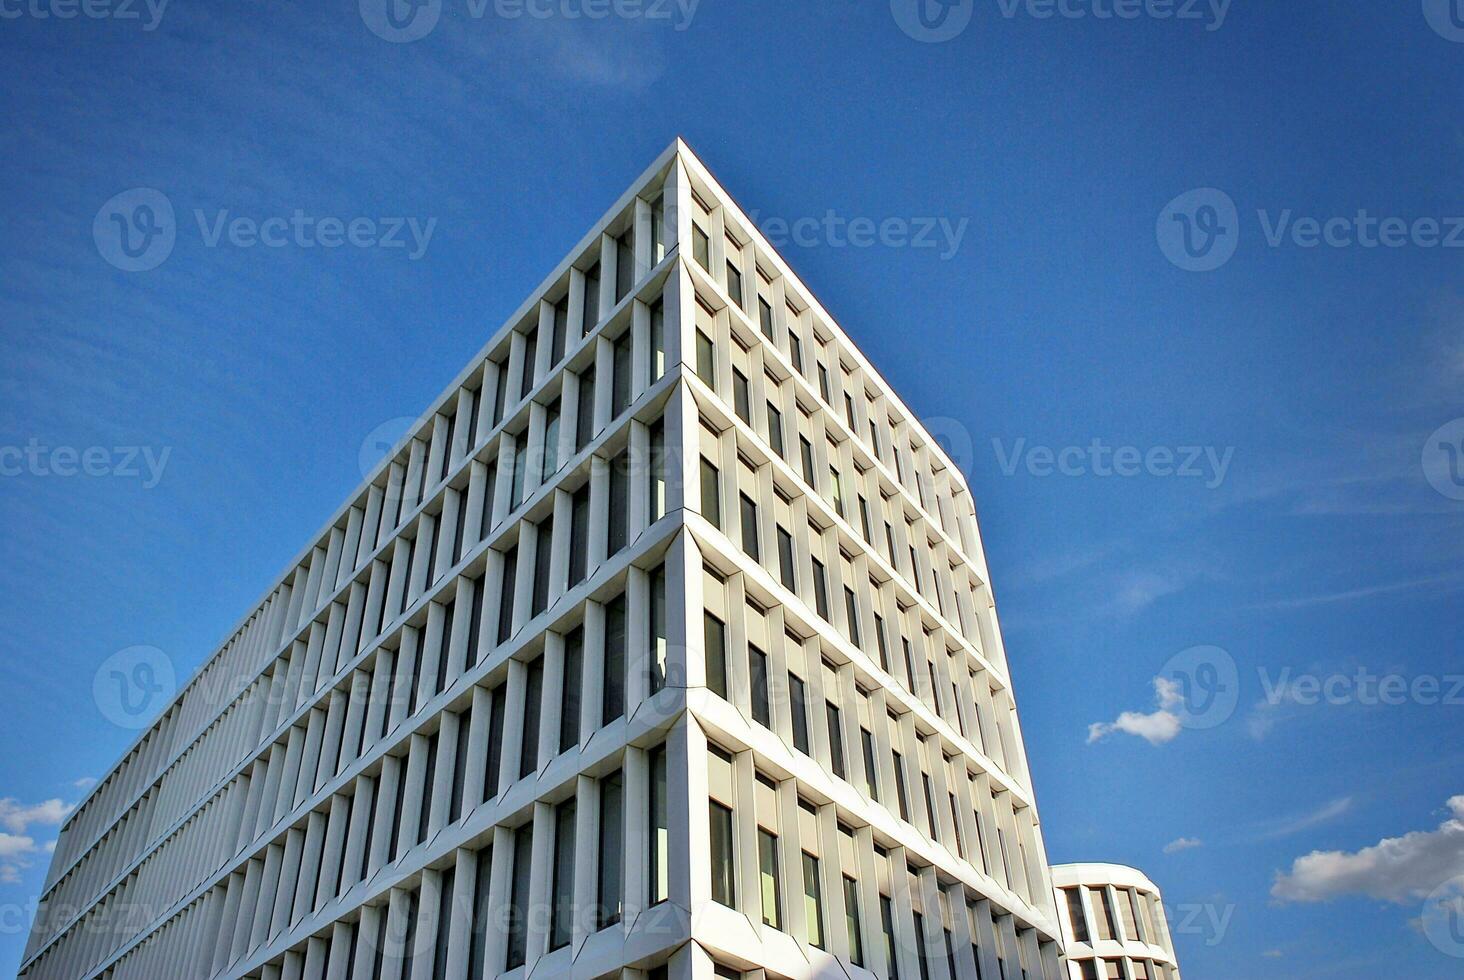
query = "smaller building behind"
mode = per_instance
[{"x": 1113, "y": 924}]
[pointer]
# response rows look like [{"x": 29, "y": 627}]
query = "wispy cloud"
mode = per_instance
[
  {"x": 1290, "y": 826},
  {"x": 1183, "y": 844},
  {"x": 1429, "y": 583}
]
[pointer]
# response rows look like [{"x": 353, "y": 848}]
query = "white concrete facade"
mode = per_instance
[
  {"x": 1113, "y": 923},
  {"x": 664, "y": 646}
]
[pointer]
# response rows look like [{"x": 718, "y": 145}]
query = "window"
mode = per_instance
[
  {"x": 579, "y": 535},
  {"x": 518, "y": 912},
  {"x": 887, "y": 924},
  {"x": 657, "y": 638},
  {"x": 821, "y": 589},
  {"x": 520, "y": 471},
  {"x": 612, "y": 850},
  {"x": 785, "y": 561},
  {"x": 620, "y": 386},
  {"x": 852, "y": 923},
  {"x": 836, "y": 487},
  {"x": 584, "y": 426},
  {"x": 1079, "y": 921},
  {"x": 742, "y": 396},
  {"x": 569, "y": 710},
  {"x": 498, "y": 703},
  {"x": 658, "y": 340},
  {"x": 823, "y": 383},
  {"x": 812, "y": 901},
  {"x": 723, "y": 875},
  {"x": 871, "y": 771},
  {"x": 482, "y": 913},
  {"x": 769, "y": 878},
  {"x": 706, "y": 360},
  {"x": 561, "y": 331},
  {"x": 1090, "y": 969},
  {"x": 612, "y": 704},
  {"x": 659, "y": 465},
  {"x": 734, "y": 285},
  {"x": 920, "y": 955},
  {"x": 711, "y": 494},
  {"x": 795, "y": 347},
  {"x": 543, "y": 549},
  {"x": 901, "y": 793},
  {"x": 592, "y": 297},
  {"x": 658, "y": 230},
  {"x": 624, "y": 265},
  {"x": 749, "y": 528},
  {"x": 500, "y": 391},
  {"x": 765, "y": 317},
  {"x": 505, "y": 596},
  {"x": 1103, "y": 910},
  {"x": 1130, "y": 919},
  {"x": 715, "y": 637},
  {"x": 851, "y": 612},
  {"x": 775, "y": 430},
  {"x": 701, "y": 247},
  {"x": 836, "y": 738},
  {"x": 531, "y": 354},
  {"x": 561, "y": 925},
  {"x": 533, "y": 695},
  {"x": 617, "y": 529},
  {"x": 797, "y": 702},
  {"x": 805, "y": 452},
  {"x": 660, "y": 830},
  {"x": 758, "y": 667}
]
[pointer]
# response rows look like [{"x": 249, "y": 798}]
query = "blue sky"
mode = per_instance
[{"x": 225, "y": 394}]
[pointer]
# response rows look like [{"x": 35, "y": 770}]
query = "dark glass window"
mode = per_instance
[
  {"x": 711, "y": 494},
  {"x": 574, "y": 665},
  {"x": 724, "y": 888},
  {"x": 613, "y": 690},
  {"x": 761, "y": 706},
  {"x": 612, "y": 850},
  {"x": 715, "y": 638},
  {"x": 798, "y": 703},
  {"x": 749, "y": 528},
  {"x": 533, "y": 698}
]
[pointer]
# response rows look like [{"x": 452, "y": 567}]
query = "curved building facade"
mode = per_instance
[{"x": 1113, "y": 924}]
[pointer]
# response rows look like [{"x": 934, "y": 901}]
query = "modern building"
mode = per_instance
[
  {"x": 664, "y": 646},
  {"x": 1113, "y": 924}
]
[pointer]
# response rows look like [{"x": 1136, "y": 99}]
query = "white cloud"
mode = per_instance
[
  {"x": 17, "y": 817},
  {"x": 85, "y": 783},
  {"x": 1183, "y": 844},
  {"x": 1156, "y": 727},
  {"x": 17, "y": 847},
  {"x": 1396, "y": 869},
  {"x": 14, "y": 846}
]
